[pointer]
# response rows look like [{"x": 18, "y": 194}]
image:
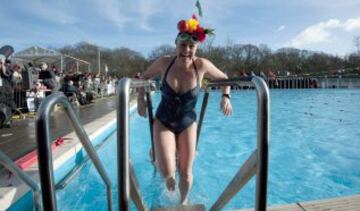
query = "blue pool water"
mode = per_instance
[{"x": 314, "y": 152}]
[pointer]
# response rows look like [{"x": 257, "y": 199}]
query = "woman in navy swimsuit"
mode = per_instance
[{"x": 175, "y": 125}]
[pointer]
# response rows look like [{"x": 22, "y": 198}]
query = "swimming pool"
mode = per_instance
[{"x": 314, "y": 142}]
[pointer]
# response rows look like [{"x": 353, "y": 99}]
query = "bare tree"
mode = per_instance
[
  {"x": 233, "y": 58},
  {"x": 161, "y": 51}
]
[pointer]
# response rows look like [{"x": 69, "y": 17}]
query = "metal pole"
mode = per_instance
[
  {"x": 99, "y": 61},
  {"x": 135, "y": 193},
  {"x": 122, "y": 145},
  {"x": 45, "y": 158},
  {"x": 151, "y": 121},
  {"x": 202, "y": 115},
  {"x": 9, "y": 164},
  {"x": 123, "y": 91},
  {"x": 245, "y": 173},
  {"x": 262, "y": 143},
  {"x": 62, "y": 63}
]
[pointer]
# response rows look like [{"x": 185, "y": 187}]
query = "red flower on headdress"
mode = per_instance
[
  {"x": 183, "y": 26},
  {"x": 200, "y": 34}
]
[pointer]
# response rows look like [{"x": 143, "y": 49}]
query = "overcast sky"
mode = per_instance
[{"x": 142, "y": 25}]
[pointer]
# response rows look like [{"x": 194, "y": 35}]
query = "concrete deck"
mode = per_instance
[
  {"x": 20, "y": 138},
  {"x": 195, "y": 207},
  {"x": 347, "y": 203}
]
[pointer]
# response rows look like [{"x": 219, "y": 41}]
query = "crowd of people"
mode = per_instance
[{"x": 23, "y": 87}]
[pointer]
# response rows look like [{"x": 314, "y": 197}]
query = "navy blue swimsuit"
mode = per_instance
[{"x": 177, "y": 111}]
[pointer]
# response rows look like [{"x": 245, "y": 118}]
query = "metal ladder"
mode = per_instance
[
  {"x": 257, "y": 163},
  {"x": 45, "y": 154},
  {"x": 11, "y": 166}
]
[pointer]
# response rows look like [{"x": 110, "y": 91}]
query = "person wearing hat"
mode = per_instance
[{"x": 175, "y": 125}]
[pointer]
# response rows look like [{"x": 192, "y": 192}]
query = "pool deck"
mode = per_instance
[
  {"x": 20, "y": 138},
  {"x": 349, "y": 203}
]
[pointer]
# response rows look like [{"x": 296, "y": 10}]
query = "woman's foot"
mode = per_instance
[
  {"x": 184, "y": 187},
  {"x": 184, "y": 201},
  {"x": 170, "y": 183}
]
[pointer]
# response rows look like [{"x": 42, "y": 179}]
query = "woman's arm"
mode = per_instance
[
  {"x": 154, "y": 69},
  {"x": 151, "y": 72},
  {"x": 215, "y": 74}
]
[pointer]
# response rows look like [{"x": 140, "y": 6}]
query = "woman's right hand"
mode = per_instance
[{"x": 141, "y": 106}]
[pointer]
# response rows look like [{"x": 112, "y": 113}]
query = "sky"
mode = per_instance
[{"x": 143, "y": 25}]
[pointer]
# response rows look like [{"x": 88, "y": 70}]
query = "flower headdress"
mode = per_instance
[{"x": 192, "y": 28}]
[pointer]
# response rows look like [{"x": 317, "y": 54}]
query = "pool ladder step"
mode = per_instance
[{"x": 195, "y": 207}]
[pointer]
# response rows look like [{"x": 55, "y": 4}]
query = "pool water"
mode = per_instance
[{"x": 314, "y": 152}]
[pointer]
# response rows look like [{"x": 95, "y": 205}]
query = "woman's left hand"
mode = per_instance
[{"x": 225, "y": 106}]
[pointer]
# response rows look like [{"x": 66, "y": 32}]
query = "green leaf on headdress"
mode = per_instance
[{"x": 209, "y": 31}]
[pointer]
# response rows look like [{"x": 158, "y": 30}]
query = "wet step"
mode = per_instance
[{"x": 195, "y": 207}]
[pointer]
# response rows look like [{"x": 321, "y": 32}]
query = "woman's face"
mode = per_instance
[{"x": 186, "y": 50}]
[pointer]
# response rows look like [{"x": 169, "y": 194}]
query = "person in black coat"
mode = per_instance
[{"x": 7, "y": 103}]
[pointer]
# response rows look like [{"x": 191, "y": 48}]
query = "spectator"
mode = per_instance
[
  {"x": 48, "y": 77},
  {"x": 7, "y": 103},
  {"x": 16, "y": 77},
  {"x": 69, "y": 89}
]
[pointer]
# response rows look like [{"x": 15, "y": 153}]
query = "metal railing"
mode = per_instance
[
  {"x": 125, "y": 176},
  {"x": 45, "y": 153},
  {"x": 257, "y": 163},
  {"x": 12, "y": 167}
]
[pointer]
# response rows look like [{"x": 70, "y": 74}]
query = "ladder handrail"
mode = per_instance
[
  {"x": 45, "y": 154},
  {"x": 135, "y": 193},
  {"x": 260, "y": 158},
  {"x": 10, "y": 165},
  {"x": 123, "y": 142}
]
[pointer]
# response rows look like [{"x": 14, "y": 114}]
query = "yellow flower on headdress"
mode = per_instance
[{"x": 193, "y": 24}]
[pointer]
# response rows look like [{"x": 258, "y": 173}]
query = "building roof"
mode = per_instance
[{"x": 38, "y": 54}]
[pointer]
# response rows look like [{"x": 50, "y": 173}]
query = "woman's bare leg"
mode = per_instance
[
  {"x": 165, "y": 149},
  {"x": 186, "y": 143}
]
